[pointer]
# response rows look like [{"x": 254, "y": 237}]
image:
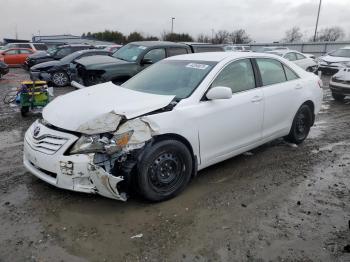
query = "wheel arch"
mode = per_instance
[{"x": 184, "y": 141}]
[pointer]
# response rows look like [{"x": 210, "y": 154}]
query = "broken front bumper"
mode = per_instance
[{"x": 44, "y": 150}]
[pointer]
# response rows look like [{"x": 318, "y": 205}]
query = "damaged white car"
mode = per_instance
[{"x": 184, "y": 113}]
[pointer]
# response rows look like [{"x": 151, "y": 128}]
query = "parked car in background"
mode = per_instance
[
  {"x": 113, "y": 48},
  {"x": 153, "y": 133},
  {"x": 54, "y": 54},
  {"x": 298, "y": 58},
  {"x": 340, "y": 84},
  {"x": 4, "y": 69},
  {"x": 333, "y": 61},
  {"x": 101, "y": 46},
  {"x": 59, "y": 72},
  {"x": 271, "y": 48},
  {"x": 133, "y": 58},
  {"x": 33, "y": 46},
  {"x": 15, "y": 56},
  {"x": 204, "y": 47},
  {"x": 237, "y": 48}
]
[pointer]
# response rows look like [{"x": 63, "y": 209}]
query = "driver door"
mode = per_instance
[
  {"x": 229, "y": 125},
  {"x": 152, "y": 57}
]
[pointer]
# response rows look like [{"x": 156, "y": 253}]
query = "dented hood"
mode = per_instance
[{"x": 97, "y": 109}]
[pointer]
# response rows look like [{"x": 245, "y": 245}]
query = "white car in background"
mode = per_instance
[
  {"x": 179, "y": 116},
  {"x": 340, "y": 84},
  {"x": 334, "y": 61},
  {"x": 304, "y": 61},
  {"x": 237, "y": 48}
]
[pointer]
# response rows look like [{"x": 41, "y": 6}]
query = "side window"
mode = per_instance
[
  {"x": 300, "y": 56},
  {"x": 271, "y": 71},
  {"x": 23, "y": 51},
  {"x": 290, "y": 74},
  {"x": 239, "y": 76},
  {"x": 155, "y": 55},
  {"x": 290, "y": 56},
  {"x": 24, "y": 45},
  {"x": 12, "y": 52},
  {"x": 40, "y": 47},
  {"x": 176, "y": 51}
]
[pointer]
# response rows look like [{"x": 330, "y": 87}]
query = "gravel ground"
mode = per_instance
[{"x": 277, "y": 203}]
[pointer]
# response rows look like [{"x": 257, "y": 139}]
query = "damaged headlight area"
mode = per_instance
[{"x": 105, "y": 143}]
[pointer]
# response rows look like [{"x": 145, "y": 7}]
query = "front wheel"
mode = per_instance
[
  {"x": 60, "y": 79},
  {"x": 338, "y": 97},
  {"x": 301, "y": 125},
  {"x": 164, "y": 170}
]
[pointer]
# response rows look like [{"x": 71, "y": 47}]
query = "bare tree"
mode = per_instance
[
  {"x": 331, "y": 34},
  {"x": 239, "y": 36},
  {"x": 202, "y": 38},
  {"x": 221, "y": 37},
  {"x": 293, "y": 35}
]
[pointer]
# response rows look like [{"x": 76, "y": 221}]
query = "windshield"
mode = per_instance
[
  {"x": 52, "y": 50},
  {"x": 171, "y": 77},
  {"x": 129, "y": 52},
  {"x": 71, "y": 57},
  {"x": 341, "y": 53}
]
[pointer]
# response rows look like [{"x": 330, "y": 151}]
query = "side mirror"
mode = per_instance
[
  {"x": 219, "y": 92},
  {"x": 146, "y": 61}
]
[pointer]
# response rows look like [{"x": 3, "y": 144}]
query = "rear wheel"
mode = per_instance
[
  {"x": 301, "y": 125},
  {"x": 164, "y": 170},
  {"x": 338, "y": 97},
  {"x": 60, "y": 79}
]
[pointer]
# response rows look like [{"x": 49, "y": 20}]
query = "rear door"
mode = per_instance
[
  {"x": 281, "y": 87},
  {"x": 228, "y": 125},
  {"x": 172, "y": 51}
]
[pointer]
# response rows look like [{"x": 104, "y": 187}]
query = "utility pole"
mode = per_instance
[
  {"x": 16, "y": 32},
  {"x": 212, "y": 36},
  {"x": 172, "y": 24},
  {"x": 318, "y": 16}
]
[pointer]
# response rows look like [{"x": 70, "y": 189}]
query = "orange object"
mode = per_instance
[{"x": 15, "y": 56}]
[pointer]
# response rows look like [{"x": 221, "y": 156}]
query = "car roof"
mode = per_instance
[
  {"x": 78, "y": 45},
  {"x": 219, "y": 56},
  {"x": 345, "y": 47},
  {"x": 17, "y": 48},
  {"x": 157, "y": 43}
]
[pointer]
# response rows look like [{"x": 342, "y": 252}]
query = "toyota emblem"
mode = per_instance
[{"x": 36, "y": 131}]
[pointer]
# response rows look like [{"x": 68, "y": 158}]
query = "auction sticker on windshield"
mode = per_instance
[{"x": 197, "y": 66}]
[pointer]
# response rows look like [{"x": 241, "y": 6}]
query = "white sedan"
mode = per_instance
[
  {"x": 184, "y": 113},
  {"x": 305, "y": 61}
]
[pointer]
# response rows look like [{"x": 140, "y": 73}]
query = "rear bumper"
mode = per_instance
[{"x": 44, "y": 159}]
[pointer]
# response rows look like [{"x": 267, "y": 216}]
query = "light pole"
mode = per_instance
[
  {"x": 212, "y": 36},
  {"x": 172, "y": 24},
  {"x": 318, "y": 16}
]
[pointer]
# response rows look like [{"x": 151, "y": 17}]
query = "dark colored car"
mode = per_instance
[
  {"x": 59, "y": 72},
  {"x": 4, "y": 69},
  {"x": 131, "y": 59},
  {"x": 54, "y": 54}
]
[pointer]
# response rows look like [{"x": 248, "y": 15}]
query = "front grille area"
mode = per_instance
[{"x": 46, "y": 143}]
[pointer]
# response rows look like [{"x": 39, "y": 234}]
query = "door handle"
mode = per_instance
[
  {"x": 256, "y": 99},
  {"x": 298, "y": 86}
]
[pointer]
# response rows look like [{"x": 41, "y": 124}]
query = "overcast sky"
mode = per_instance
[{"x": 264, "y": 20}]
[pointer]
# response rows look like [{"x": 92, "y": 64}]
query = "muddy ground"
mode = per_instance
[{"x": 280, "y": 203}]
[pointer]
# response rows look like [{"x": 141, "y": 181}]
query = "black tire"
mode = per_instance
[
  {"x": 60, "y": 79},
  {"x": 302, "y": 123},
  {"x": 164, "y": 170},
  {"x": 24, "y": 110},
  {"x": 338, "y": 97}
]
